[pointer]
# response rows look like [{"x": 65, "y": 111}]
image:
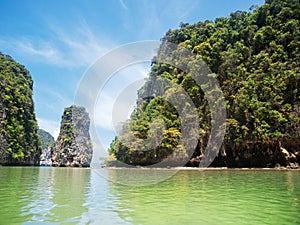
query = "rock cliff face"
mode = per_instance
[
  {"x": 19, "y": 143},
  {"x": 73, "y": 146},
  {"x": 47, "y": 141}
]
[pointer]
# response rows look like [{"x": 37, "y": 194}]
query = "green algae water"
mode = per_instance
[{"x": 83, "y": 196}]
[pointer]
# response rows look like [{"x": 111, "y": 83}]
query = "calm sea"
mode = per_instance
[{"x": 33, "y": 195}]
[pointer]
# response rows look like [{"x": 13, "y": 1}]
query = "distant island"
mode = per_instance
[{"x": 255, "y": 58}]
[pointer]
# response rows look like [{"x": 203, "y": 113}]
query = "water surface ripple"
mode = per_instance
[{"x": 36, "y": 195}]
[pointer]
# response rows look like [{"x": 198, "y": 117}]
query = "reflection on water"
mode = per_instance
[
  {"x": 13, "y": 195},
  {"x": 69, "y": 187},
  {"x": 31, "y": 195},
  {"x": 43, "y": 194},
  {"x": 101, "y": 203},
  {"x": 83, "y": 196},
  {"x": 39, "y": 200}
]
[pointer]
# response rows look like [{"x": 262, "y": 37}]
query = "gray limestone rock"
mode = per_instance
[{"x": 73, "y": 146}]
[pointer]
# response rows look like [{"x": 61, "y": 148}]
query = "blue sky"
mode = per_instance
[{"x": 58, "y": 41}]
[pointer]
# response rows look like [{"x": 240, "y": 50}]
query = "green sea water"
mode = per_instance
[{"x": 33, "y": 195}]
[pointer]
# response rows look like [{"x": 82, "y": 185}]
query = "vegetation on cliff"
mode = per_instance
[
  {"x": 73, "y": 146},
  {"x": 255, "y": 58},
  {"x": 19, "y": 142}
]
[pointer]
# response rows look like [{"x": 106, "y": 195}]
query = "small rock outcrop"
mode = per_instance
[
  {"x": 47, "y": 141},
  {"x": 73, "y": 147}
]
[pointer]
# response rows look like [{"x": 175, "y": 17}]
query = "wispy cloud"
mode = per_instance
[
  {"x": 123, "y": 4},
  {"x": 83, "y": 45},
  {"x": 154, "y": 18},
  {"x": 37, "y": 50},
  {"x": 60, "y": 98},
  {"x": 63, "y": 48}
]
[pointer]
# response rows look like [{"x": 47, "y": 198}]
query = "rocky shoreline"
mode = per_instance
[{"x": 277, "y": 157}]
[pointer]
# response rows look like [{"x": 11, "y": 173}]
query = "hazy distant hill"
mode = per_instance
[{"x": 46, "y": 138}]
